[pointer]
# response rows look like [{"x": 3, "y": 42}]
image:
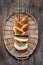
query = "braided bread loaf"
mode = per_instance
[
  {"x": 21, "y": 26},
  {"x": 21, "y": 32}
]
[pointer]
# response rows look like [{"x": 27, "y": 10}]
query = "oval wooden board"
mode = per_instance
[{"x": 8, "y": 37}]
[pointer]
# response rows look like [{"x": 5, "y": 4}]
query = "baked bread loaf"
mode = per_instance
[
  {"x": 21, "y": 26},
  {"x": 21, "y": 32}
]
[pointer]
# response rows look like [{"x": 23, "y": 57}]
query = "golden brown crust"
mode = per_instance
[
  {"x": 21, "y": 25},
  {"x": 25, "y": 33},
  {"x": 20, "y": 31},
  {"x": 24, "y": 20},
  {"x": 25, "y": 27}
]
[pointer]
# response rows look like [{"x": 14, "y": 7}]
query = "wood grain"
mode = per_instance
[{"x": 35, "y": 7}]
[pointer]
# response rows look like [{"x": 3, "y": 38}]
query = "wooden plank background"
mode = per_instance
[{"x": 35, "y": 7}]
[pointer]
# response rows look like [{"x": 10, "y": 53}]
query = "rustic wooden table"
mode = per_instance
[{"x": 35, "y": 7}]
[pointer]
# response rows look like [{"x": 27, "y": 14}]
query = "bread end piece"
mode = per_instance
[{"x": 18, "y": 47}]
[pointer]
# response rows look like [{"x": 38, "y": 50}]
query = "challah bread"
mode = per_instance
[
  {"x": 20, "y": 26},
  {"x": 20, "y": 42},
  {"x": 24, "y": 39},
  {"x": 25, "y": 27},
  {"x": 21, "y": 32},
  {"x": 17, "y": 22},
  {"x": 22, "y": 47}
]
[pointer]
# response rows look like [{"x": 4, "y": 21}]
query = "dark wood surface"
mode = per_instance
[{"x": 35, "y": 7}]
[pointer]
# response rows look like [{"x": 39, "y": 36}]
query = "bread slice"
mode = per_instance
[
  {"x": 22, "y": 47},
  {"x": 20, "y": 42},
  {"x": 24, "y": 39}
]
